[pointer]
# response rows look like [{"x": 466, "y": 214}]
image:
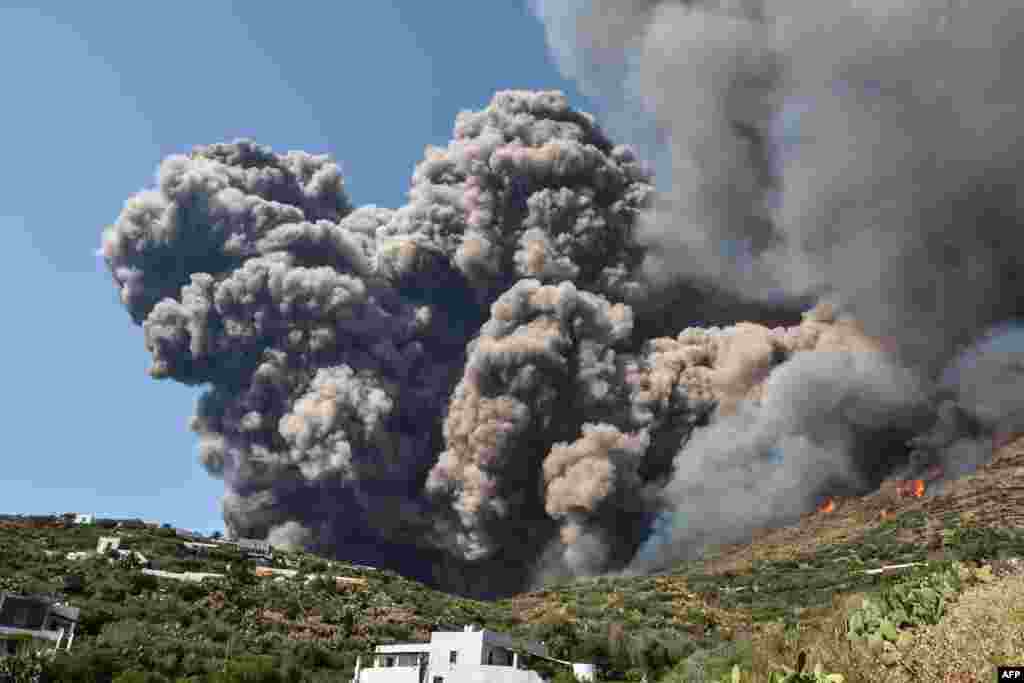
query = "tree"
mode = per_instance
[
  {"x": 22, "y": 668},
  {"x": 142, "y": 583},
  {"x": 140, "y": 677},
  {"x": 74, "y": 583}
]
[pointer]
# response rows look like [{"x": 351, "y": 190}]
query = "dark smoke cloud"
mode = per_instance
[
  {"x": 864, "y": 153},
  {"x": 535, "y": 368},
  {"x": 330, "y": 339},
  {"x": 883, "y": 134}
]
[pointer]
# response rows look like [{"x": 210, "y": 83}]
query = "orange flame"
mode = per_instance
[
  {"x": 911, "y": 488},
  {"x": 828, "y": 505}
]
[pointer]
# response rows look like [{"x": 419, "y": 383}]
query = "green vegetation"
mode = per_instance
[
  {"x": 691, "y": 624},
  {"x": 914, "y": 601}
]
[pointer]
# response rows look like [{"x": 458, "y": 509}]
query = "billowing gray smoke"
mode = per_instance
[
  {"x": 501, "y": 381},
  {"x": 864, "y": 153},
  {"x": 330, "y": 339}
]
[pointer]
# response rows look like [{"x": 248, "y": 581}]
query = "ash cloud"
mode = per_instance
[
  {"x": 331, "y": 340},
  {"x": 860, "y": 153},
  {"x": 537, "y": 367},
  {"x": 866, "y": 151}
]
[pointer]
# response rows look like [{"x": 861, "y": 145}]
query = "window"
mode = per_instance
[
  {"x": 453, "y": 656},
  {"x": 438, "y": 679},
  {"x": 389, "y": 661}
]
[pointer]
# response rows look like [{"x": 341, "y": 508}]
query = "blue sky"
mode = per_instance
[{"x": 95, "y": 95}]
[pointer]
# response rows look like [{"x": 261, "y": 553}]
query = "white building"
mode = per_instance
[
  {"x": 32, "y": 623},
  {"x": 107, "y": 543},
  {"x": 82, "y": 518},
  {"x": 254, "y": 546},
  {"x": 467, "y": 656},
  {"x": 199, "y": 548},
  {"x": 195, "y": 577}
]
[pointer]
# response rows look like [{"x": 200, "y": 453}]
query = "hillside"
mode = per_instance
[
  {"x": 306, "y": 630},
  {"x": 757, "y": 605}
]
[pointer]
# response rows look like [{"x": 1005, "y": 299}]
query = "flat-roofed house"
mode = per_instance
[
  {"x": 254, "y": 546},
  {"x": 106, "y": 543},
  {"x": 467, "y": 656},
  {"x": 34, "y": 623}
]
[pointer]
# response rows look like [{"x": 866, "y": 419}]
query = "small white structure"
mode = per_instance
[
  {"x": 208, "y": 546},
  {"x": 196, "y": 577},
  {"x": 32, "y": 623},
  {"x": 81, "y": 518},
  {"x": 187, "y": 533},
  {"x": 122, "y": 554},
  {"x": 79, "y": 555},
  {"x": 584, "y": 671},
  {"x": 274, "y": 571},
  {"x": 107, "y": 543},
  {"x": 467, "y": 656},
  {"x": 199, "y": 548},
  {"x": 254, "y": 546},
  {"x": 340, "y": 582}
]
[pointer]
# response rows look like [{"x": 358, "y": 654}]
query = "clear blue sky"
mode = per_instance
[{"x": 95, "y": 94}]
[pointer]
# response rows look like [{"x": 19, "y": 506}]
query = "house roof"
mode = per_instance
[
  {"x": 402, "y": 648},
  {"x": 69, "y": 613},
  {"x": 486, "y": 636},
  {"x": 21, "y": 612},
  {"x": 18, "y": 611}
]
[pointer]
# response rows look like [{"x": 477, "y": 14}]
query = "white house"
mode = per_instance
[
  {"x": 122, "y": 554},
  {"x": 254, "y": 546},
  {"x": 82, "y": 518},
  {"x": 31, "y": 623},
  {"x": 467, "y": 656},
  {"x": 187, "y": 533},
  {"x": 195, "y": 577},
  {"x": 274, "y": 571},
  {"x": 107, "y": 543}
]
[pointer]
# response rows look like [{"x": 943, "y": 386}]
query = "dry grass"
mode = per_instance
[
  {"x": 984, "y": 629},
  {"x": 822, "y": 635},
  {"x": 991, "y": 497}
]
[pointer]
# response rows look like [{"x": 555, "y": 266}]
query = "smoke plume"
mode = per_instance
[
  {"x": 538, "y": 368},
  {"x": 863, "y": 153}
]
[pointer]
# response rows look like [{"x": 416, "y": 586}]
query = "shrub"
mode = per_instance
[
  {"x": 798, "y": 675},
  {"x": 190, "y": 591},
  {"x": 249, "y": 669},
  {"x": 92, "y": 621},
  {"x": 124, "y": 633},
  {"x": 140, "y": 677},
  {"x": 110, "y": 591},
  {"x": 83, "y": 666},
  {"x": 915, "y": 601},
  {"x": 24, "y": 668},
  {"x": 74, "y": 583},
  {"x": 142, "y": 583}
]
